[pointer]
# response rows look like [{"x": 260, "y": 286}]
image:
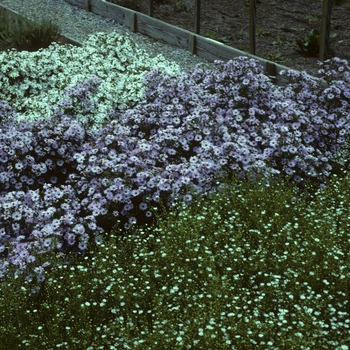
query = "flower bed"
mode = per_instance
[{"x": 115, "y": 148}]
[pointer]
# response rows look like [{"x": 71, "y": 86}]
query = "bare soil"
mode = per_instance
[{"x": 279, "y": 24}]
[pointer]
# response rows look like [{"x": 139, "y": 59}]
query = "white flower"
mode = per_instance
[{"x": 33, "y": 81}]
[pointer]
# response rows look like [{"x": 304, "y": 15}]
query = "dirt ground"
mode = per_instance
[{"x": 279, "y": 24}]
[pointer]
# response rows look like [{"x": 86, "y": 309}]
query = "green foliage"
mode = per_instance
[
  {"x": 309, "y": 44},
  {"x": 22, "y": 34},
  {"x": 280, "y": 42},
  {"x": 215, "y": 36},
  {"x": 180, "y": 6},
  {"x": 4, "y": 21},
  {"x": 312, "y": 19},
  {"x": 298, "y": 29},
  {"x": 255, "y": 265},
  {"x": 275, "y": 57},
  {"x": 262, "y": 33}
]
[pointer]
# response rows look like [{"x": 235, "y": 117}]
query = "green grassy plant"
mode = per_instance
[
  {"x": 180, "y": 6},
  {"x": 312, "y": 19},
  {"x": 22, "y": 34},
  {"x": 280, "y": 42}
]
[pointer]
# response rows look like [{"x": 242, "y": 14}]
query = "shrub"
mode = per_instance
[
  {"x": 239, "y": 115},
  {"x": 22, "y": 34},
  {"x": 69, "y": 182}
]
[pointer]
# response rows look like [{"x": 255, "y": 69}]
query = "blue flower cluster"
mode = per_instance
[{"x": 63, "y": 183}]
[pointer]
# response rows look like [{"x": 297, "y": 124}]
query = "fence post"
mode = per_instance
[
  {"x": 252, "y": 26},
  {"x": 133, "y": 22},
  {"x": 271, "y": 70},
  {"x": 192, "y": 43},
  {"x": 150, "y": 8},
  {"x": 325, "y": 29},
  {"x": 197, "y": 14}
]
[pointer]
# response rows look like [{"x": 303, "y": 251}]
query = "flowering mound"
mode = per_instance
[
  {"x": 64, "y": 182},
  {"x": 33, "y": 81}
]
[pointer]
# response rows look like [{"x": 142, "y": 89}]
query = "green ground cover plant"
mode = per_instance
[
  {"x": 255, "y": 267},
  {"x": 246, "y": 185}
]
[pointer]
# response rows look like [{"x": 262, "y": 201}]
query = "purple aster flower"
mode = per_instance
[
  {"x": 82, "y": 246},
  {"x": 47, "y": 242},
  {"x": 143, "y": 206},
  {"x": 132, "y": 220},
  {"x": 17, "y": 216},
  {"x": 41, "y": 278}
]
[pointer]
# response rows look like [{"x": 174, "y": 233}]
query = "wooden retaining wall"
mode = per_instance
[{"x": 203, "y": 47}]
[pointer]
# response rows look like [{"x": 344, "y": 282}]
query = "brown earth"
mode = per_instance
[{"x": 279, "y": 24}]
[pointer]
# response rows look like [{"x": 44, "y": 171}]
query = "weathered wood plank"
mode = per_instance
[
  {"x": 160, "y": 30},
  {"x": 197, "y": 16},
  {"x": 192, "y": 43},
  {"x": 133, "y": 22},
  {"x": 325, "y": 29},
  {"x": 252, "y": 26},
  {"x": 150, "y": 8},
  {"x": 212, "y": 50},
  {"x": 106, "y": 9},
  {"x": 83, "y": 4}
]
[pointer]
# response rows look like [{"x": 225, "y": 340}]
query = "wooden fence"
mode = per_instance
[{"x": 325, "y": 27}]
